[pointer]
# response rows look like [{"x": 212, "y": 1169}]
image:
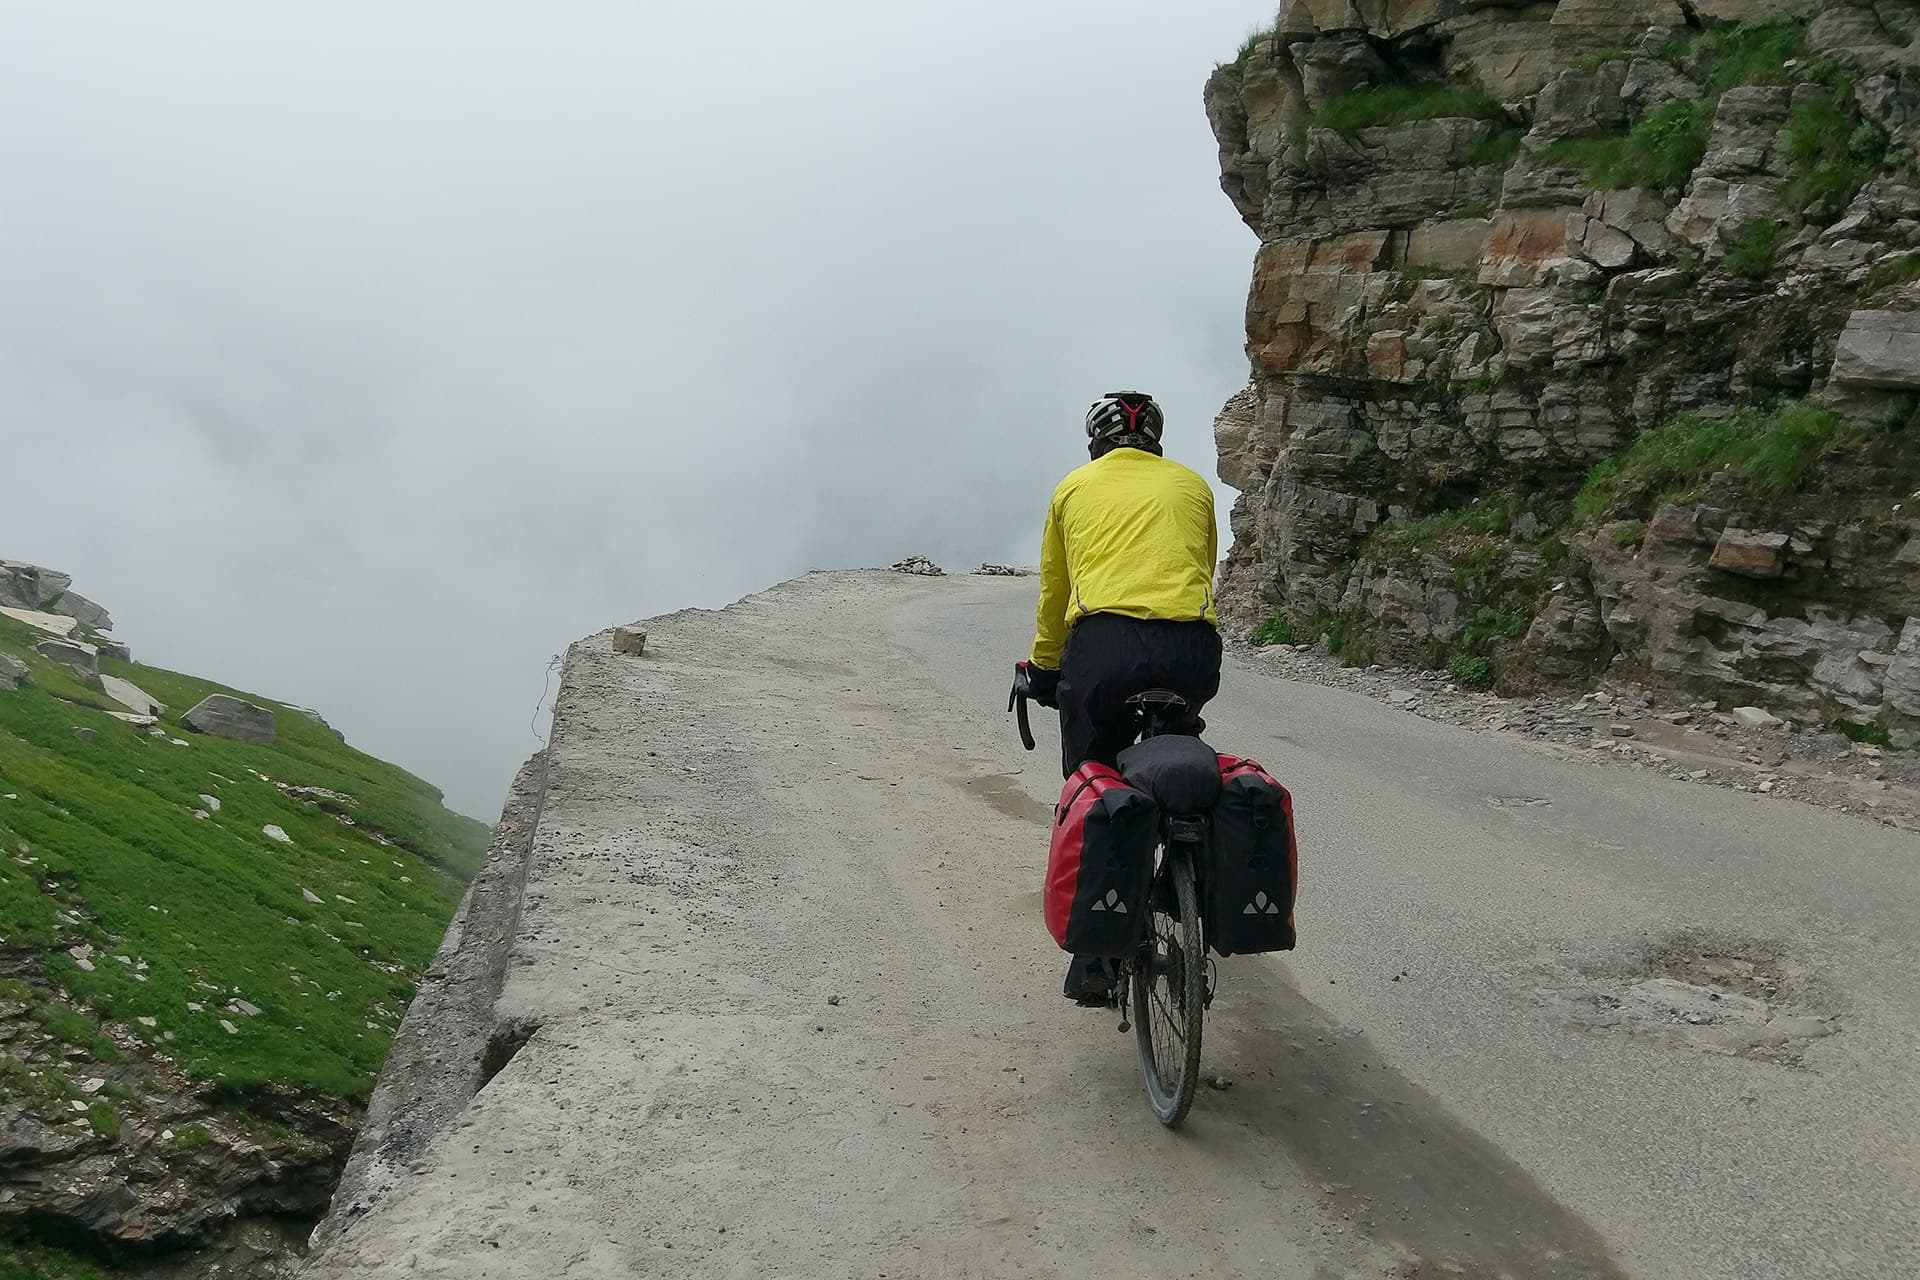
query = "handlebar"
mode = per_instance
[{"x": 1017, "y": 702}]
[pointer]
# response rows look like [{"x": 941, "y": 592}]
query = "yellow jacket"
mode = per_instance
[{"x": 1130, "y": 533}]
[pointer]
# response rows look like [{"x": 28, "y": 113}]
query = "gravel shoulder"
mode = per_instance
[{"x": 1619, "y": 724}]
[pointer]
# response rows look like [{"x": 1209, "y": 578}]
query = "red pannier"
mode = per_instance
[
  {"x": 1100, "y": 863},
  {"x": 1253, "y": 866}
]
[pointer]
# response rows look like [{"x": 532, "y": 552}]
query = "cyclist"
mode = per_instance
[{"x": 1126, "y": 598}]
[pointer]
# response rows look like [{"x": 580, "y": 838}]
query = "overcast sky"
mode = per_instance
[{"x": 366, "y": 354}]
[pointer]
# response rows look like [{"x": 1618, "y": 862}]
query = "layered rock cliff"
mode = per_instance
[{"x": 1584, "y": 336}]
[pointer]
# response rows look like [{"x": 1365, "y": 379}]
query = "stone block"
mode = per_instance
[
  {"x": 1508, "y": 53},
  {"x": 1751, "y": 554},
  {"x": 1456, "y": 245},
  {"x": 1632, "y": 15},
  {"x": 130, "y": 696},
  {"x": 1387, "y": 356},
  {"x": 1521, "y": 243},
  {"x": 1903, "y": 673},
  {"x": 1879, "y": 349},
  {"x": 222, "y": 716},
  {"x": 1396, "y": 18},
  {"x": 81, "y": 659},
  {"x": 1746, "y": 10}
]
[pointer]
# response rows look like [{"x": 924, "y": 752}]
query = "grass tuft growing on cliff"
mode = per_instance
[
  {"x": 1901, "y": 269},
  {"x": 27, "y": 1262},
  {"x": 1628, "y": 534},
  {"x": 1771, "y": 450},
  {"x": 1498, "y": 149},
  {"x": 1754, "y": 248},
  {"x": 1600, "y": 58},
  {"x": 1343, "y": 639},
  {"x": 1876, "y": 735},
  {"x": 1833, "y": 153},
  {"x": 1832, "y": 158},
  {"x": 1490, "y": 623},
  {"x": 1277, "y": 629},
  {"x": 1486, "y": 517},
  {"x": 1470, "y": 671},
  {"x": 1741, "y": 53},
  {"x": 1659, "y": 152},
  {"x": 1383, "y": 104},
  {"x": 1248, "y": 48}
]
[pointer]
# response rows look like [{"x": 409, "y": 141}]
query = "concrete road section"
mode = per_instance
[{"x": 797, "y": 1015}]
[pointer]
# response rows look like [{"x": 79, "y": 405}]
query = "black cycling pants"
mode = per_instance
[{"x": 1110, "y": 658}]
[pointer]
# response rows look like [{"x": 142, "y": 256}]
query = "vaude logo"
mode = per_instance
[
  {"x": 1261, "y": 906},
  {"x": 1111, "y": 903}
]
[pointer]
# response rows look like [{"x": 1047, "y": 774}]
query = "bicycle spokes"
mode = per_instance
[{"x": 1170, "y": 991}]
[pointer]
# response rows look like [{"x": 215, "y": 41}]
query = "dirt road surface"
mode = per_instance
[{"x": 798, "y": 1015}]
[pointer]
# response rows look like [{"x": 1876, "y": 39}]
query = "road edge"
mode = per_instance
[{"x": 448, "y": 1043}]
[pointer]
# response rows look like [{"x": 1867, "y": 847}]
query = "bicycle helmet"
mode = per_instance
[{"x": 1125, "y": 413}]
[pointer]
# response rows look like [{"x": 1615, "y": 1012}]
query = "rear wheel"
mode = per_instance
[{"x": 1169, "y": 993}]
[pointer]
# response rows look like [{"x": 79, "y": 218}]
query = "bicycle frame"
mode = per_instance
[{"x": 1182, "y": 838}]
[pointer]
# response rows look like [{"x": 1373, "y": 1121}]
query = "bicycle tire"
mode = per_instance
[{"x": 1171, "y": 971}]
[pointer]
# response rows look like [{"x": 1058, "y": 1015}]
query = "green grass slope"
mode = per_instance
[
  {"x": 130, "y": 925},
  {"x": 30, "y": 1263}
]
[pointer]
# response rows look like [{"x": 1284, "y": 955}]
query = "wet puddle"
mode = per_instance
[{"x": 1003, "y": 792}]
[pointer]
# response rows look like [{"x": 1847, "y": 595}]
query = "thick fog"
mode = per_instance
[{"x": 366, "y": 354}]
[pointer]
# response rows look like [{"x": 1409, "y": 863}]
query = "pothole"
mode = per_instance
[
  {"x": 1736, "y": 997},
  {"x": 1745, "y": 967},
  {"x": 1518, "y": 802}
]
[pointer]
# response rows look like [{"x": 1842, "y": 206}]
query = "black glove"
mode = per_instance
[{"x": 1043, "y": 686}]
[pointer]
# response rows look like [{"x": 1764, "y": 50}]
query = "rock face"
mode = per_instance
[
  {"x": 222, "y": 716},
  {"x": 1879, "y": 349},
  {"x": 86, "y": 612},
  {"x": 175, "y": 1167},
  {"x": 1583, "y": 335},
  {"x": 82, "y": 659},
  {"x": 28, "y": 586}
]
